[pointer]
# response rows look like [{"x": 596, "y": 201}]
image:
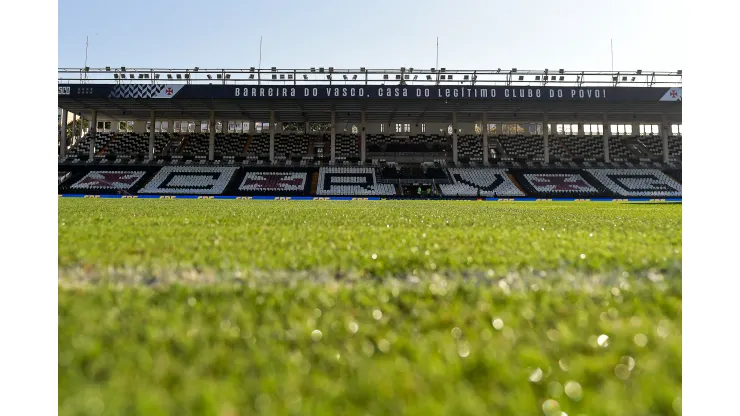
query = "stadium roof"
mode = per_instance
[{"x": 386, "y": 95}]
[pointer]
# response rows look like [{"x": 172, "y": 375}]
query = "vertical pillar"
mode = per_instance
[
  {"x": 454, "y": 137},
  {"x": 170, "y": 126},
  {"x": 306, "y": 129},
  {"x": 635, "y": 129},
  {"x": 333, "y": 138},
  {"x": 74, "y": 127},
  {"x": 546, "y": 136},
  {"x": 93, "y": 131},
  {"x": 272, "y": 135},
  {"x": 151, "y": 136},
  {"x": 363, "y": 123},
  {"x": 211, "y": 135},
  {"x": 664, "y": 128},
  {"x": 607, "y": 134},
  {"x": 580, "y": 130},
  {"x": 224, "y": 126},
  {"x": 484, "y": 128},
  {"x": 63, "y": 136}
]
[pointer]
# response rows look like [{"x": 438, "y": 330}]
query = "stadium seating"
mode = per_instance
[
  {"x": 190, "y": 180},
  {"x": 134, "y": 144},
  {"x": 278, "y": 181},
  {"x": 231, "y": 144},
  {"x": 587, "y": 148},
  {"x": 63, "y": 176},
  {"x": 348, "y": 145},
  {"x": 351, "y": 181},
  {"x": 118, "y": 180},
  {"x": 559, "y": 183},
  {"x": 195, "y": 144},
  {"x": 81, "y": 149},
  {"x": 674, "y": 148},
  {"x": 653, "y": 144},
  {"x": 470, "y": 147},
  {"x": 637, "y": 182},
  {"x": 617, "y": 150},
  {"x": 259, "y": 145},
  {"x": 486, "y": 182},
  {"x": 523, "y": 147},
  {"x": 289, "y": 145}
]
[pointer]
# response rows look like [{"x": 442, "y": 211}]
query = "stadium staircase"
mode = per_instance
[
  {"x": 314, "y": 182},
  {"x": 516, "y": 183}
]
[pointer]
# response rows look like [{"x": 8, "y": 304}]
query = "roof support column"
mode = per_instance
[
  {"x": 363, "y": 123},
  {"x": 333, "y": 138},
  {"x": 93, "y": 131},
  {"x": 74, "y": 127},
  {"x": 63, "y": 136},
  {"x": 580, "y": 129},
  {"x": 454, "y": 137},
  {"x": 607, "y": 134},
  {"x": 170, "y": 126},
  {"x": 306, "y": 128},
  {"x": 151, "y": 136},
  {"x": 485, "y": 139},
  {"x": 546, "y": 136},
  {"x": 212, "y": 135},
  {"x": 664, "y": 128},
  {"x": 272, "y": 135},
  {"x": 635, "y": 129}
]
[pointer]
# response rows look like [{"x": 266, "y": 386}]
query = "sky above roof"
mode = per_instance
[{"x": 473, "y": 34}]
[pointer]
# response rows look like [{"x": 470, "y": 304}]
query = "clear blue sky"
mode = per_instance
[{"x": 473, "y": 34}]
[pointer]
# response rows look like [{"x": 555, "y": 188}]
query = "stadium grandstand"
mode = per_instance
[{"x": 370, "y": 133}]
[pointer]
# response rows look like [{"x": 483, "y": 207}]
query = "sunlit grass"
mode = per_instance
[{"x": 244, "y": 307}]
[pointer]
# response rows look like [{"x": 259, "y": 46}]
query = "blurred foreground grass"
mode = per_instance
[{"x": 245, "y": 307}]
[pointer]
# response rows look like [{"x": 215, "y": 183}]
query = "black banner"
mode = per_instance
[{"x": 358, "y": 92}]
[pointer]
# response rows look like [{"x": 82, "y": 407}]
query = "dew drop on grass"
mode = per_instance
[
  {"x": 583, "y": 256},
  {"x": 353, "y": 327},
  {"x": 641, "y": 340},
  {"x": 316, "y": 335},
  {"x": 377, "y": 314},
  {"x": 498, "y": 324},
  {"x": 622, "y": 371},
  {"x": 628, "y": 361},
  {"x": 384, "y": 346},
  {"x": 192, "y": 302},
  {"x": 463, "y": 349},
  {"x": 536, "y": 375},
  {"x": 375, "y": 256},
  {"x": 551, "y": 408},
  {"x": 573, "y": 390},
  {"x": 603, "y": 340},
  {"x": 456, "y": 333}
]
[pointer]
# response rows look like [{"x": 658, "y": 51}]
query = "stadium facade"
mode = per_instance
[{"x": 378, "y": 133}]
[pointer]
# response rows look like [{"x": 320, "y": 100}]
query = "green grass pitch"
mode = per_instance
[{"x": 207, "y": 307}]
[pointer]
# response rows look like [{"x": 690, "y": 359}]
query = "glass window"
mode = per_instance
[
  {"x": 423, "y": 128},
  {"x": 106, "y": 125},
  {"x": 407, "y": 128},
  {"x": 382, "y": 128},
  {"x": 354, "y": 129},
  {"x": 449, "y": 129}
]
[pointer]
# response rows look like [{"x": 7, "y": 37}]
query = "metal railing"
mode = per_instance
[{"x": 364, "y": 76}]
